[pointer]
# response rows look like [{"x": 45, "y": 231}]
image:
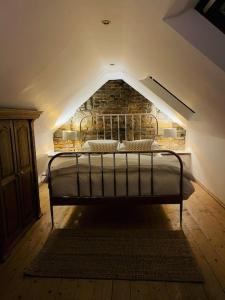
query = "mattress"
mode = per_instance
[{"x": 125, "y": 174}]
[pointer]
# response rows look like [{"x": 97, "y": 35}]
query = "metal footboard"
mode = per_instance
[{"x": 92, "y": 199}]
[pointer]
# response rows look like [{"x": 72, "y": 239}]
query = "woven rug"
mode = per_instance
[{"x": 119, "y": 254}]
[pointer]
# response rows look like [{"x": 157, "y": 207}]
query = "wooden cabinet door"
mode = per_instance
[
  {"x": 25, "y": 170},
  {"x": 10, "y": 210}
]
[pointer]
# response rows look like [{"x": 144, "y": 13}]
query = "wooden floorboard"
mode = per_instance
[
  {"x": 121, "y": 289},
  {"x": 203, "y": 225}
]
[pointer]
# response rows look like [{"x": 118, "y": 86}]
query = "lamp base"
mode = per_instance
[{"x": 171, "y": 144}]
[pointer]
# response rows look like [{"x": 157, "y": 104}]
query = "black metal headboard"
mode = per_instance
[{"x": 130, "y": 126}]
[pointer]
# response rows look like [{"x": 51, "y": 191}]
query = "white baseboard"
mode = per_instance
[{"x": 220, "y": 202}]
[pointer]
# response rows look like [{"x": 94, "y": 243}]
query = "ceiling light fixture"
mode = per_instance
[{"x": 106, "y": 22}]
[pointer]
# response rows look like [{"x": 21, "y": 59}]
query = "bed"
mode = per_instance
[{"x": 126, "y": 173}]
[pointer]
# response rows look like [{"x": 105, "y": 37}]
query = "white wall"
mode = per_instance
[
  {"x": 206, "y": 132},
  {"x": 208, "y": 158},
  {"x": 208, "y": 161},
  {"x": 44, "y": 144}
]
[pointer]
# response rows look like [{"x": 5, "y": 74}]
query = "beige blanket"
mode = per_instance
[{"x": 166, "y": 174}]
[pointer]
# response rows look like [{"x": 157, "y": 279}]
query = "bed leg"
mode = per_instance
[
  {"x": 181, "y": 213},
  {"x": 52, "y": 215}
]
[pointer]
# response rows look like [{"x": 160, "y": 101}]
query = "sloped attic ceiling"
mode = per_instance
[{"x": 52, "y": 51}]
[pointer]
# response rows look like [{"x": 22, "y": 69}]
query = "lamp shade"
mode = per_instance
[
  {"x": 69, "y": 135},
  {"x": 170, "y": 133}
]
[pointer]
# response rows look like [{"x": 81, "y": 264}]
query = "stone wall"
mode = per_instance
[{"x": 116, "y": 96}]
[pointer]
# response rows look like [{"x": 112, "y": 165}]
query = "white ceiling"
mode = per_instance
[{"x": 53, "y": 51}]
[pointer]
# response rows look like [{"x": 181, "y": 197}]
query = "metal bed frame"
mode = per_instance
[{"x": 139, "y": 199}]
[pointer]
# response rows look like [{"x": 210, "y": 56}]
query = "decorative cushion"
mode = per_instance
[
  {"x": 103, "y": 146},
  {"x": 155, "y": 146},
  {"x": 86, "y": 146},
  {"x": 138, "y": 145},
  {"x": 121, "y": 147}
]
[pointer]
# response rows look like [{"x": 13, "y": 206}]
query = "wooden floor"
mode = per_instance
[{"x": 204, "y": 226}]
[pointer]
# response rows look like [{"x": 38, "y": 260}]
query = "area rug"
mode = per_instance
[{"x": 117, "y": 254}]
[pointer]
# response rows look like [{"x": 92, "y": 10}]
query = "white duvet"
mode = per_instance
[{"x": 166, "y": 177}]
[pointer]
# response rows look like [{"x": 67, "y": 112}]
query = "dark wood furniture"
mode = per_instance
[{"x": 19, "y": 197}]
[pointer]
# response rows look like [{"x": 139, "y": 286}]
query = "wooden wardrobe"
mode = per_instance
[{"x": 19, "y": 197}]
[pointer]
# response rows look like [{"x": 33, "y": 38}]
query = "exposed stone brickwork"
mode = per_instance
[{"x": 116, "y": 96}]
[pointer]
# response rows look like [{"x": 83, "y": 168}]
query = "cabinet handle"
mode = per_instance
[{"x": 19, "y": 173}]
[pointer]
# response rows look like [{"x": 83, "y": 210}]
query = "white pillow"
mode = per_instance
[
  {"x": 103, "y": 146},
  {"x": 86, "y": 146},
  {"x": 138, "y": 145},
  {"x": 121, "y": 147},
  {"x": 155, "y": 146}
]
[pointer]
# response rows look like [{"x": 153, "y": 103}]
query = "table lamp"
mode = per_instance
[
  {"x": 70, "y": 135},
  {"x": 170, "y": 133}
]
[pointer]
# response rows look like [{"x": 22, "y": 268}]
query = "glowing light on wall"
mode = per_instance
[{"x": 79, "y": 98}]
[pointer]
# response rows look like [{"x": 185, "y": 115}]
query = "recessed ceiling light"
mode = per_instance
[{"x": 106, "y": 22}]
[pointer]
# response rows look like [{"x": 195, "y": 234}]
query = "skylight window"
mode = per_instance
[{"x": 214, "y": 11}]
